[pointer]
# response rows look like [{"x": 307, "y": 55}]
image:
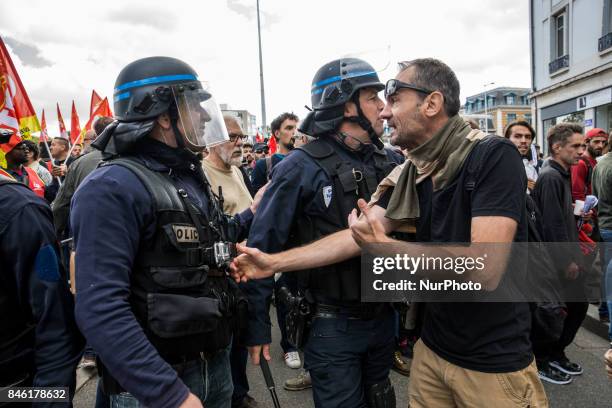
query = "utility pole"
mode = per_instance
[{"x": 261, "y": 76}]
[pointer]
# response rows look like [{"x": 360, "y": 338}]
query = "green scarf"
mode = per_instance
[{"x": 440, "y": 158}]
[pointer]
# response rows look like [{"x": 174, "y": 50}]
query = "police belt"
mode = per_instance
[{"x": 360, "y": 312}]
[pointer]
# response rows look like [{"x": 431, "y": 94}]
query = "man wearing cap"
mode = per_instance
[
  {"x": 16, "y": 155},
  {"x": 595, "y": 141},
  {"x": 349, "y": 352}
]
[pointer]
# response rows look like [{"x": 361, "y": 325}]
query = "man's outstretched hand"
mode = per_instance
[
  {"x": 366, "y": 228},
  {"x": 251, "y": 264}
]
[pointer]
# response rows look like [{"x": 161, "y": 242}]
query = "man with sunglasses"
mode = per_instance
[
  {"x": 465, "y": 348},
  {"x": 349, "y": 352}
]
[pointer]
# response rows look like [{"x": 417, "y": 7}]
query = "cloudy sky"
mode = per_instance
[{"x": 63, "y": 50}]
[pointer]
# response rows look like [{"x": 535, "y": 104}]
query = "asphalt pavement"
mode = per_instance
[{"x": 590, "y": 390}]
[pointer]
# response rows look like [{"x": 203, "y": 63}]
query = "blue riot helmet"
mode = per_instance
[
  {"x": 335, "y": 84},
  {"x": 149, "y": 87}
]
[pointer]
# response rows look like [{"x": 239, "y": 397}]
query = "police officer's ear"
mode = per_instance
[
  {"x": 350, "y": 109},
  {"x": 433, "y": 104},
  {"x": 164, "y": 121}
]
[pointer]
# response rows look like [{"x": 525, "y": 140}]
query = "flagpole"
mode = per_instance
[{"x": 261, "y": 76}]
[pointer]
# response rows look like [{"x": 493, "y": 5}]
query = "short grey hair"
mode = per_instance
[{"x": 433, "y": 74}]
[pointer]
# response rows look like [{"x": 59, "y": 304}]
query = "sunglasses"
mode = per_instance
[
  {"x": 394, "y": 85},
  {"x": 235, "y": 136}
]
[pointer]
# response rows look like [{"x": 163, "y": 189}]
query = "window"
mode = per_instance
[
  {"x": 510, "y": 99},
  {"x": 511, "y": 117},
  {"x": 528, "y": 118},
  {"x": 560, "y": 26}
]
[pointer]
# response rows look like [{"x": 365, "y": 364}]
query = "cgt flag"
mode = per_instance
[
  {"x": 62, "y": 127},
  {"x": 95, "y": 101},
  {"x": 103, "y": 109},
  {"x": 44, "y": 135},
  {"x": 16, "y": 111},
  {"x": 75, "y": 126}
]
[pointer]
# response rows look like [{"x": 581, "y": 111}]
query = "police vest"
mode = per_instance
[
  {"x": 183, "y": 303},
  {"x": 350, "y": 180},
  {"x": 16, "y": 328}
]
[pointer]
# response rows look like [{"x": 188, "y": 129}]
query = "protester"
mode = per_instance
[
  {"x": 221, "y": 169},
  {"x": 75, "y": 175},
  {"x": 40, "y": 345},
  {"x": 58, "y": 165},
  {"x": 314, "y": 188},
  {"x": 150, "y": 242},
  {"x": 553, "y": 196},
  {"x": 486, "y": 345},
  {"x": 33, "y": 155},
  {"x": 602, "y": 189},
  {"x": 260, "y": 151},
  {"x": 16, "y": 155},
  {"x": 582, "y": 172},
  {"x": 283, "y": 130},
  {"x": 76, "y": 150},
  {"x": 521, "y": 134}
]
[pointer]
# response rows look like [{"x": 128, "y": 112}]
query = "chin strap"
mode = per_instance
[{"x": 364, "y": 123}]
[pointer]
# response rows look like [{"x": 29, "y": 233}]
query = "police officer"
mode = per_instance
[
  {"x": 152, "y": 245},
  {"x": 311, "y": 193},
  {"x": 40, "y": 344}
]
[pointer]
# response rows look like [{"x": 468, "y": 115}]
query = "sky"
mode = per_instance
[{"x": 64, "y": 49}]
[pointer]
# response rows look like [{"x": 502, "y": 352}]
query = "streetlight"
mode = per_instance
[
  {"x": 486, "y": 114},
  {"x": 261, "y": 76}
]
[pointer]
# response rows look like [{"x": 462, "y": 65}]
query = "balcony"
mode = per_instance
[
  {"x": 604, "y": 42},
  {"x": 558, "y": 64}
]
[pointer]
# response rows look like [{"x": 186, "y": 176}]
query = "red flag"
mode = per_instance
[
  {"x": 62, "y": 127},
  {"x": 272, "y": 144},
  {"x": 75, "y": 126},
  {"x": 16, "y": 111},
  {"x": 103, "y": 109},
  {"x": 95, "y": 100},
  {"x": 44, "y": 136}
]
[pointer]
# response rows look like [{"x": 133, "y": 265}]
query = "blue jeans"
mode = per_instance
[
  {"x": 606, "y": 236},
  {"x": 345, "y": 356},
  {"x": 210, "y": 381}
]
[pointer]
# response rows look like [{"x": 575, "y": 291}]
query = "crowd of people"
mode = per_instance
[{"x": 154, "y": 250}]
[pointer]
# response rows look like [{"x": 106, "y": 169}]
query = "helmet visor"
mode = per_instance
[{"x": 199, "y": 117}]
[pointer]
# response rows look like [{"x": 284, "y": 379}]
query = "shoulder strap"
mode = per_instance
[
  {"x": 317, "y": 149},
  {"x": 589, "y": 176},
  {"x": 162, "y": 191},
  {"x": 268, "y": 166},
  {"x": 474, "y": 161}
]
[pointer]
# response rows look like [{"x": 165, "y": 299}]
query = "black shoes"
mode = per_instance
[
  {"x": 566, "y": 366},
  {"x": 553, "y": 376}
]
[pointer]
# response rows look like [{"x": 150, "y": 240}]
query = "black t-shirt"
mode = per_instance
[{"x": 486, "y": 337}]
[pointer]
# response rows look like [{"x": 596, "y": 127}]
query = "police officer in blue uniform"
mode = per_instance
[
  {"x": 40, "y": 344},
  {"x": 312, "y": 191},
  {"x": 152, "y": 245}
]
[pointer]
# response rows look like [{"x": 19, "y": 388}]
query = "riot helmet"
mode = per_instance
[
  {"x": 335, "y": 84},
  {"x": 149, "y": 87}
]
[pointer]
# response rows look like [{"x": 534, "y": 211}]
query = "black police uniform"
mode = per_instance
[
  {"x": 350, "y": 347},
  {"x": 39, "y": 342},
  {"x": 154, "y": 300}
]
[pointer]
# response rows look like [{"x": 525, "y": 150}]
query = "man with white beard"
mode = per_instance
[{"x": 222, "y": 169}]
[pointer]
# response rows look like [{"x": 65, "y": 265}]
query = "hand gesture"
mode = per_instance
[
  {"x": 251, "y": 264},
  {"x": 366, "y": 228}
]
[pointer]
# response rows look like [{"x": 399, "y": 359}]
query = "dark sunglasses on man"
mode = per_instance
[{"x": 394, "y": 85}]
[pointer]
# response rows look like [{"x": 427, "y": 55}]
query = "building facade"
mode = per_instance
[
  {"x": 503, "y": 105},
  {"x": 247, "y": 120},
  {"x": 571, "y": 63}
]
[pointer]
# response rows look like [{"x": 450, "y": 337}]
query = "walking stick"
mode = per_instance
[{"x": 265, "y": 369}]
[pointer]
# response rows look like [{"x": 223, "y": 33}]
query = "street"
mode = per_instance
[{"x": 592, "y": 389}]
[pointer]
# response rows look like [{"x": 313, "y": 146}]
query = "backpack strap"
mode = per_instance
[
  {"x": 589, "y": 176},
  {"x": 268, "y": 167}
]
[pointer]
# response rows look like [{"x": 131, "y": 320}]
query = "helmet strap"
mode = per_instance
[{"x": 363, "y": 122}]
